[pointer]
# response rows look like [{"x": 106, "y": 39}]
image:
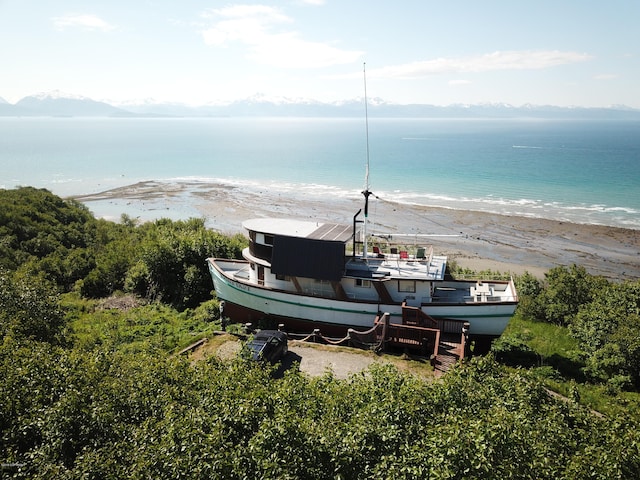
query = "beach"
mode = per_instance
[{"x": 476, "y": 240}]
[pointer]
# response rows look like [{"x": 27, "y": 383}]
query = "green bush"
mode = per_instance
[
  {"x": 117, "y": 415},
  {"x": 566, "y": 291},
  {"x": 162, "y": 260},
  {"x": 29, "y": 309}
]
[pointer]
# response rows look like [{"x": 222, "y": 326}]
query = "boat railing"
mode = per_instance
[
  {"x": 488, "y": 277},
  {"x": 490, "y": 299},
  {"x": 412, "y": 253}
]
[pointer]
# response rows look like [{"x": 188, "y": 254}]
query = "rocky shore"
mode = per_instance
[{"x": 476, "y": 240}]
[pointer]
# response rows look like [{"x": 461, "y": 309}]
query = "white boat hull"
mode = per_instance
[{"x": 257, "y": 302}]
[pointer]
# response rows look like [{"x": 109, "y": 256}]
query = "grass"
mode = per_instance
[
  {"x": 539, "y": 344},
  {"x": 142, "y": 327},
  {"x": 552, "y": 355},
  {"x": 546, "y": 339}
]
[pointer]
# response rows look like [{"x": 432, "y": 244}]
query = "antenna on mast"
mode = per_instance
[
  {"x": 366, "y": 191},
  {"x": 366, "y": 118}
]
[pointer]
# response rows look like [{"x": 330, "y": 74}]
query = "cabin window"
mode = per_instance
[
  {"x": 408, "y": 286},
  {"x": 263, "y": 238},
  {"x": 283, "y": 278},
  {"x": 363, "y": 283},
  {"x": 253, "y": 266}
]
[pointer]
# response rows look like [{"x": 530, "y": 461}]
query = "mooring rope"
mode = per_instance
[{"x": 353, "y": 337}]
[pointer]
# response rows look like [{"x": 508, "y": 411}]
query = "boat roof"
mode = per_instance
[{"x": 300, "y": 229}]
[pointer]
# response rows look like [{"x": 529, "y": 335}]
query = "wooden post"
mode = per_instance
[
  {"x": 385, "y": 329},
  {"x": 464, "y": 340}
]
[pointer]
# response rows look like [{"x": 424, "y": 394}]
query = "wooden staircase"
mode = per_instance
[
  {"x": 450, "y": 351},
  {"x": 450, "y": 341},
  {"x": 442, "y": 339}
]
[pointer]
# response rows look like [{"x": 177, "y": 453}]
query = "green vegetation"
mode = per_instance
[
  {"x": 149, "y": 327},
  {"x": 603, "y": 319},
  {"x": 60, "y": 241},
  {"x": 92, "y": 313}
]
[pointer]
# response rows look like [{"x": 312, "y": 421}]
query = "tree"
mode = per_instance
[
  {"x": 607, "y": 329},
  {"x": 171, "y": 262},
  {"x": 566, "y": 290},
  {"x": 29, "y": 309},
  {"x": 529, "y": 289},
  {"x": 42, "y": 233}
]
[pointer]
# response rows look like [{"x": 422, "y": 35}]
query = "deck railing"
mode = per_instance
[
  {"x": 484, "y": 277},
  {"x": 415, "y": 316},
  {"x": 407, "y": 336}
]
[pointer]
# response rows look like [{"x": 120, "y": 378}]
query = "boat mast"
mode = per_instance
[{"x": 366, "y": 191}]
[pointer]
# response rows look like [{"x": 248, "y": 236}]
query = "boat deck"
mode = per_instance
[
  {"x": 451, "y": 295},
  {"x": 398, "y": 266}
]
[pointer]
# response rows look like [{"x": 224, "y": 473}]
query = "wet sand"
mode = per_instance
[{"x": 476, "y": 240}]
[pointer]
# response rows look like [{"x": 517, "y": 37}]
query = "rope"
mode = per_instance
[
  {"x": 335, "y": 342},
  {"x": 315, "y": 336},
  {"x": 354, "y": 337}
]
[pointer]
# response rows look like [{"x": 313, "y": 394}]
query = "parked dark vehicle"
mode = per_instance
[{"x": 267, "y": 345}]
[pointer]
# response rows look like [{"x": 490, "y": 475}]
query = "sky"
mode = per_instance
[{"x": 542, "y": 52}]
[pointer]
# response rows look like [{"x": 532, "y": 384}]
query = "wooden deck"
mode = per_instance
[{"x": 443, "y": 341}]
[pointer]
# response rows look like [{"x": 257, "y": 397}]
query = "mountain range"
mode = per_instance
[{"x": 56, "y": 104}]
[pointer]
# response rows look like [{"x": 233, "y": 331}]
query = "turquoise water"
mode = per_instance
[{"x": 580, "y": 171}]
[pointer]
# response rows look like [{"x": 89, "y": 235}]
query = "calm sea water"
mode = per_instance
[{"x": 580, "y": 171}]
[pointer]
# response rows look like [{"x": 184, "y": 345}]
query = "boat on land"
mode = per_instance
[
  {"x": 312, "y": 275},
  {"x": 317, "y": 275}
]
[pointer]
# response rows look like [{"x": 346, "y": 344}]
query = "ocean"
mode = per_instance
[{"x": 582, "y": 171}]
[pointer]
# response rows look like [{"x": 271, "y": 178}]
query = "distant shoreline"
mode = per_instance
[
  {"x": 58, "y": 104},
  {"x": 485, "y": 241}
]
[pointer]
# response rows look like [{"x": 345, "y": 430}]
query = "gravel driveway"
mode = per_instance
[{"x": 314, "y": 359}]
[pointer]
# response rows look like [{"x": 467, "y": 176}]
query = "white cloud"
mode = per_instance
[
  {"x": 606, "y": 76},
  {"x": 459, "y": 82},
  {"x": 248, "y": 24},
  {"x": 509, "y": 60},
  {"x": 82, "y": 21},
  {"x": 258, "y": 28}
]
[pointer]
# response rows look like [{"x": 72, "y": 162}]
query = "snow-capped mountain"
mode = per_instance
[{"x": 57, "y": 103}]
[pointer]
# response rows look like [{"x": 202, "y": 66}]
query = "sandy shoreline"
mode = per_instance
[{"x": 483, "y": 240}]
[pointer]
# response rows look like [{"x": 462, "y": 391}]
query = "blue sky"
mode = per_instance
[{"x": 567, "y": 53}]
